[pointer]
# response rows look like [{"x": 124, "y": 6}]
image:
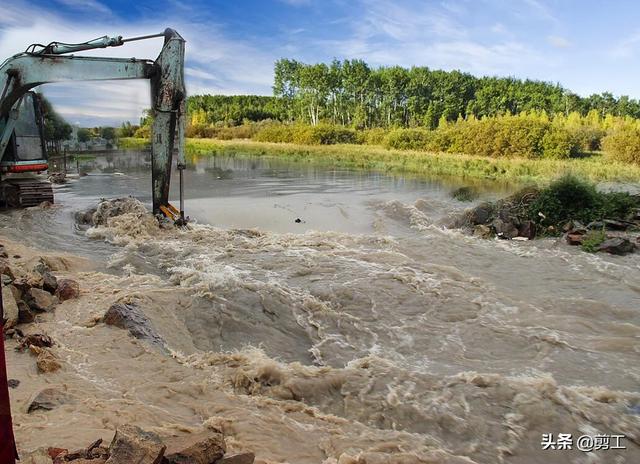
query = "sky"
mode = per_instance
[{"x": 587, "y": 46}]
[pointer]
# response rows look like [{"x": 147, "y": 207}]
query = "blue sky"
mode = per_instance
[{"x": 588, "y": 46}]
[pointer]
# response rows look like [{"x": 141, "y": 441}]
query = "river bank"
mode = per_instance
[{"x": 597, "y": 167}]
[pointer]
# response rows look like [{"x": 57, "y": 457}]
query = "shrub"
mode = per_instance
[
  {"x": 571, "y": 198},
  {"x": 623, "y": 144},
  {"x": 559, "y": 144},
  {"x": 324, "y": 135},
  {"x": 372, "y": 136},
  {"x": 278, "y": 133},
  {"x": 408, "y": 139},
  {"x": 464, "y": 194},
  {"x": 592, "y": 240},
  {"x": 586, "y": 137}
]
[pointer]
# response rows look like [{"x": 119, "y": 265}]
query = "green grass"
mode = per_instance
[
  {"x": 592, "y": 240},
  {"x": 596, "y": 168},
  {"x": 131, "y": 143}
]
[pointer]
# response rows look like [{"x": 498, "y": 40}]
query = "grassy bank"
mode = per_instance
[{"x": 596, "y": 168}]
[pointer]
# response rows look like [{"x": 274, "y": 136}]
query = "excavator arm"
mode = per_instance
[{"x": 51, "y": 63}]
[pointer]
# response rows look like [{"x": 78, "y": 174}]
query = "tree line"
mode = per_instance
[{"x": 352, "y": 93}]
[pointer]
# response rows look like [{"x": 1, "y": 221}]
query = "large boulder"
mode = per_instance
[
  {"x": 40, "y": 300},
  {"x": 131, "y": 444},
  {"x": 48, "y": 399},
  {"x": 195, "y": 449},
  {"x": 131, "y": 318},
  {"x": 67, "y": 289},
  {"x": 11, "y": 313},
  {"x": 617, "y": 246}
]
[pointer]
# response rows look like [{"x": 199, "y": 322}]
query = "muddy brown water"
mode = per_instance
[{"x": 370, "y": 310}]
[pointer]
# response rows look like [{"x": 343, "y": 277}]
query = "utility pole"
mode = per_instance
[{"x": 8, "y": 452}]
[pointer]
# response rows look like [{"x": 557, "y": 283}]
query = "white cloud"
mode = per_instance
[
  {"x": 558, "y": 41},
  {"x": 92, "y": 6}
]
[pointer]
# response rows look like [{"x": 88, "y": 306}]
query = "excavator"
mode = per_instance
[{"x": 23, "y": 150}]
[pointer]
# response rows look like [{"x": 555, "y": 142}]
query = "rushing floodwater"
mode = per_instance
[{"x": 477, "y": 347}]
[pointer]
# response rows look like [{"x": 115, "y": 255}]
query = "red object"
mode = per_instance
[
  {"x": 28, "y": 168},
  {"x": 8, "y": 452}
]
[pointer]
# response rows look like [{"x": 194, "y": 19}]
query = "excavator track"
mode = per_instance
[{"x": 25, "y": 193}]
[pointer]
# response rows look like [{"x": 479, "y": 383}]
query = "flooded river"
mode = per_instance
[{"x": 343, "y": 291}]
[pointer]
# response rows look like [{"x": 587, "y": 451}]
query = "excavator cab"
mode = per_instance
[
  {"x": 26, "y": 150},
  {"x": 25, "y": 154}
]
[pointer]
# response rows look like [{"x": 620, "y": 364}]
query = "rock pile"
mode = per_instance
[
  {"x": 28, "y": 291},
  {"x": 510, "y": 219},
  {"x": 506, "y": 219},
  {"x": 131, "y": 444},
  {"x": 615, "y": 237}
]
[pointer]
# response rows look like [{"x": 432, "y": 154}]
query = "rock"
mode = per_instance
[
  {"x": 527, "y": 229},
  {"x": 37, "y": 266},
  {"x": 195, "y": 449},
  {"x": 39, "y": 340},
  {"x": 576, "y": 236},
  {"x": 57, "y": 178},
  {"x": 504, "y": 229},
  {"x": 131, "y": 444},
  {"x": 46, "y": 361},
  {"x": 25, "y": 315},
  {"x": 480, "y": 214},
  {"x": 239, "y": 458},
  {"x": 131, "y": 318},
  {"x": 57, "y": 452},
  {"x": 7, "y": 270},
  {"x": 85, "y": 217},
  {"x": 615, "y": 225},
  {"x": 22, "y": 283},
  {"x": 11, "y": 313},
  {"x": 67, "y": 289},
  {"x": 617, "y": 246},
  {"x": 39, "y": 456},
  {"x": 49, "y": 282},
  {"x": 48, "y": 399},
  {"x": 3, "y": 252},
  {"x": 482, "y": 231},
  {"x": 13, "y": 333},
  {"x": 40, "y": 300},
  {"x": 595, "y": 225},
  {"x": 13, "y": 383}
]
